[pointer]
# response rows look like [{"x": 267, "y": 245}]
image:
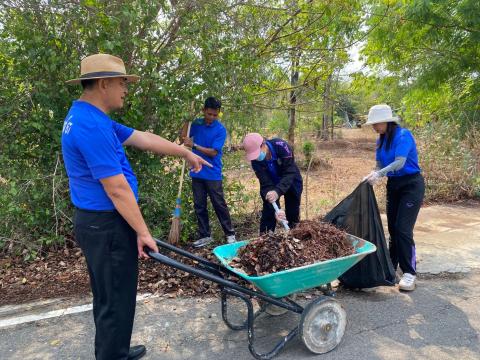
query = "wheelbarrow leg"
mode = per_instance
[
  {"x": 225, "y": 312},
  {"x": 249, "y": 324}
]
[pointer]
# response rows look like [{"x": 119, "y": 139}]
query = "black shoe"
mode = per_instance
[{"x": 136, "y": 352}]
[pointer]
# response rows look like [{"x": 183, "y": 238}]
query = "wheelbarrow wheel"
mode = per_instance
[
  {"x": 322, "y": 325},
  {"x": 274, "y": 310}
]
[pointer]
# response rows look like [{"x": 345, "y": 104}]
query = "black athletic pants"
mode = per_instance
[
  {"x": 404, "y": 198},
  {"x": 292, "y": 211},
  {"x": 214, "y": 190},
  {"x": 110, "y": 248}
]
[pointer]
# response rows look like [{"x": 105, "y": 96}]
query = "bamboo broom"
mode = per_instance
[{"x": 175, "y": 229}]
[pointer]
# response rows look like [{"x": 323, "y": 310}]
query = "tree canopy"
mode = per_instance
[{"x": 277, "y": 65}]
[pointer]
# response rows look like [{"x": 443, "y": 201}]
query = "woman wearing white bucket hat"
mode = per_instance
[{"x": 397, "y": 159}]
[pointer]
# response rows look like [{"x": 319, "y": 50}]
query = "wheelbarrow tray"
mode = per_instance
[{"x": 282, "y": 283}]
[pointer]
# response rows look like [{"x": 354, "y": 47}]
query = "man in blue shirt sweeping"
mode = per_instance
[
  {"x": 108, "y": 224},
  {"x": 207, "y": 137}
]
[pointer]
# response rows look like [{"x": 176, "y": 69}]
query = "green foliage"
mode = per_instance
[
  {"x": 32, "y": 217},
  {"x": 431, "y": 47},
  {"x": 308, "y": 150},
  {"x": 346, "y": 106},
  {"x": 183, "y": 53},
  {"x": 425, "y": 61},
  {"x": 278, "y": 125},
  {"x": 305, "y": 44},
  {"x": 368, "y": 90},
  {"x": 263, "y": 60}
]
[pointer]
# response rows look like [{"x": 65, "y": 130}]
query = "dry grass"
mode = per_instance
[{"x": 451, "y": 166}]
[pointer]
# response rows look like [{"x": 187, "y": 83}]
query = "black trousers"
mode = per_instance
[
  {"x": 404, "y": 198},
  {"x": 292, "y": 211},
  {"x": 214, "y": 190},
  {"x": 110, "y": 248}
]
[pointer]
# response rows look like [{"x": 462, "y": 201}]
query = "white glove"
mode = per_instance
[
  {"x": 272, "y": 196},
  {"x": 280, "y": 216},
  {"x": 373, "y": 178}
]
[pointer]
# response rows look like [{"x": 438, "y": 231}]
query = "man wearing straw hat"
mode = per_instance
[{"x": 108, "y": 224}]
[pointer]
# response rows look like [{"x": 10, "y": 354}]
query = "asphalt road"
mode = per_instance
[{"x": 440, "y": 320}]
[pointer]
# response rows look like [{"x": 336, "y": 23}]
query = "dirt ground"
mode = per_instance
[
  {"x": 339, "y": 167},
  {"x": 342, "y": 163}
]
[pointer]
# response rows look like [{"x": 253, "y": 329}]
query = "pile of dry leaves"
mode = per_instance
[{"x": 309, "y": 242}]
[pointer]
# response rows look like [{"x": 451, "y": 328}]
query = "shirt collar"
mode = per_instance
[
  {"x": 214, "y": 123},
  {"x": 90, "y": 106},
  {"x": 272, "y": 150}
]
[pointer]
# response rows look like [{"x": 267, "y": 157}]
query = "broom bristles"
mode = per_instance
[{"x": 174, "y": 235}]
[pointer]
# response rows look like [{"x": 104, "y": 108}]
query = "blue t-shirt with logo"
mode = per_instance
[
  {"x": 92, "y": 150},
  {"x": 402, "y": 145},
  {"x": 209, "y": 136}
]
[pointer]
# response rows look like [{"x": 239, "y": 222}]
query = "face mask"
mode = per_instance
[{"x": 261, "y": 156}]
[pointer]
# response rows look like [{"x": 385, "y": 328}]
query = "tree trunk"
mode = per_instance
[
  {"x": 326, "y": 107},
  {"x": 332, "y": 107},
  {"x": 293, "y": 99}
]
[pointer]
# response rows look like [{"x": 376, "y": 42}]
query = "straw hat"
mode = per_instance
[
  {"x": 380, "y": 114},
  {"x": 100, "y": 66}
]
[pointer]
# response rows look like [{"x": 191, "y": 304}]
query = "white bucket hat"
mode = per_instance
[{"x": 380, "y": 114}]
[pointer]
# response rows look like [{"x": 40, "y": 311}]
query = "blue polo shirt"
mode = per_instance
[
  {"x": 209, "y": 136},
  {"x": 92, "y": 150},
  {"x": 402, "y": 145}
]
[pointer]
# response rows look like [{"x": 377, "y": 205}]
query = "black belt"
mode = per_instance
[{"x": 96, "y": 211}]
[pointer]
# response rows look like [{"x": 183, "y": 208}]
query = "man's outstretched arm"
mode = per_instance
[{"x": 151, "y": 142}]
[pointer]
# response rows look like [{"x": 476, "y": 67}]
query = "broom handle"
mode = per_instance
[
  {"x": 183, "y": 167},
  {"x": 181, "y": 180}
]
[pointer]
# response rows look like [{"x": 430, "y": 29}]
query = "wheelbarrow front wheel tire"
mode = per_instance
[{"x": 322, "y": 325}]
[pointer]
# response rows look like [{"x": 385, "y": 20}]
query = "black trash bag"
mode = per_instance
[{"x": 358, "y": 215}]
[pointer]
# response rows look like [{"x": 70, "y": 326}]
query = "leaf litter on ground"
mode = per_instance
[{"x": 63, "y": 273}]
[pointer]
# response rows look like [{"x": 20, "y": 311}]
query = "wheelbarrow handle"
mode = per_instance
[
  {"x": 284, "y": 222},
  {"x": 204, "y": 262},
  {"x": 207, "y": 275}
]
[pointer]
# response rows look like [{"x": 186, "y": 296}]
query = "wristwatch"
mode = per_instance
[{"x": 194, "y": 146}]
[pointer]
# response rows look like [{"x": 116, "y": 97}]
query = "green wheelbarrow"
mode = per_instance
[{"x": 322, "y": 321}]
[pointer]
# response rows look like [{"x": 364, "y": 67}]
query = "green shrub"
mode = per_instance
[
  {"x": 308, "y": 150},
  {"x": 35, "y": 209}
]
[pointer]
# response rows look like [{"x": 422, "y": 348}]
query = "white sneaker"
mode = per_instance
[
  {"x": 231, "y": 239},
  {"x": 407, "y": 282},
  {"x": 203, "y": 242}
]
